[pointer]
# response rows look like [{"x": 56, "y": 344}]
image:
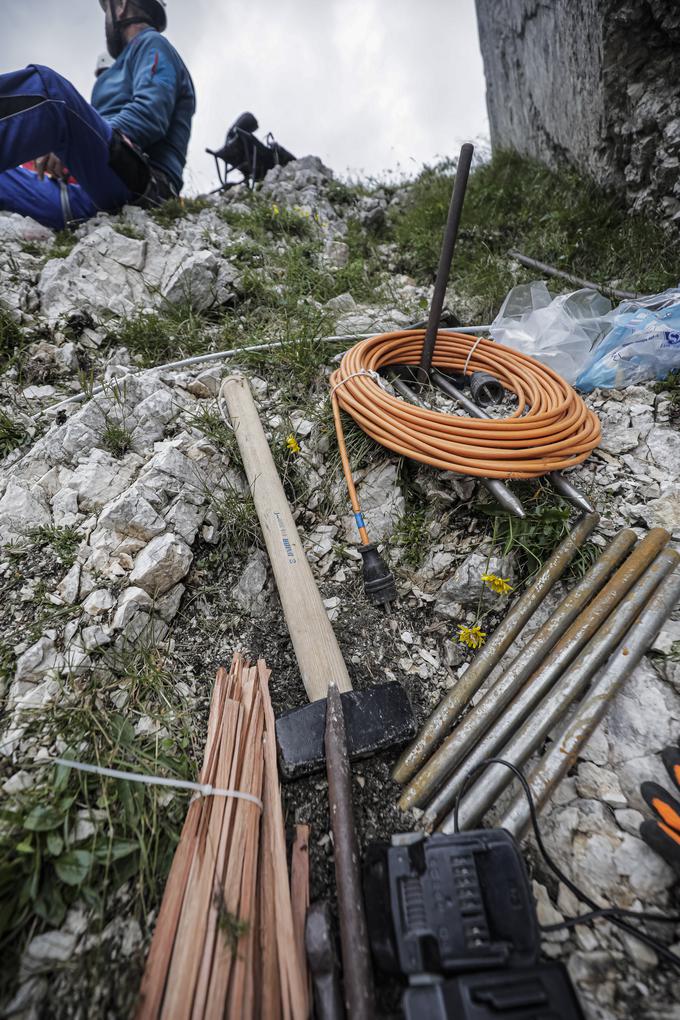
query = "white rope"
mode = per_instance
[
  {"x": 472, "y": 351},
  {"x": 362, "y": 371},
  {"x": 203, "y": 789}
]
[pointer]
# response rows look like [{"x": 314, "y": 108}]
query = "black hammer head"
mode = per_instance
[{"x": 375, "y": 719}]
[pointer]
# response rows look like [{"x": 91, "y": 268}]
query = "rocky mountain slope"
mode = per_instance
[{"x": 131, "y": 568}]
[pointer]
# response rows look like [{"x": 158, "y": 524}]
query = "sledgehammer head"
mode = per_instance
[{"x": 375, "y": 719}]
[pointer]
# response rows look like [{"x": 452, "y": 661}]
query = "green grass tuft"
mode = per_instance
[
  {"x": 548, "y": 521},
  {"x": 63, "y": 244},
  {"x": 64, "y": 541},
  {"x": 11, "y": 338},
  {"x": 154, "y": 338},
  {"x": 117, "y": 439},
  {"x": 176, "y": 209},
  {"x": 13, "y": 433}
]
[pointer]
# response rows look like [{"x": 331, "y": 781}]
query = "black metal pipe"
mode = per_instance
[
  {"x": 356, "y": 954},
  {"x": 446, "y": 257}
]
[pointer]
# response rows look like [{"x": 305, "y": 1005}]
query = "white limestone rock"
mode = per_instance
[
  {"x": 132, "y": 514},
  {"x": 162, "y": 564},
  {"x": 22, "y": 510},
  {"x": 100, "y": 478},
  {"x": 130, "y": 603}
]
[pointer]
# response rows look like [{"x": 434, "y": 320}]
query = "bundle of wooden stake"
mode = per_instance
[{"x": 227, "y": 943}]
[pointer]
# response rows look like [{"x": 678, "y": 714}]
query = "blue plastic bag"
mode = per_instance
[{"x": 643, "y": 344}]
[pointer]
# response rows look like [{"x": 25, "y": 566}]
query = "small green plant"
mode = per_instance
[
  {"x": 534, "y": 538},
  {"x": 671, "y": 388},
  {"x": 71, "y": 837},
  {"x": 116, "y": 438},
  {"x": 238, "y": 525},
  {"x": 63, "y": 244},
  {"x": 177, "y": 208},
  {"x": 208, "y": 420},
  {"x": 11, "y": 338},
  {"x": 128, "y": 230},
  {"x": 411, "y": 533},
  {"x": 33, "y": 248},
  {"x": 64, "y": 541},
  {"x": 13, "y": 433}
]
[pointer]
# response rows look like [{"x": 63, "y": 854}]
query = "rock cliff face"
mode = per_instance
[{"x": 593, "y": 82}]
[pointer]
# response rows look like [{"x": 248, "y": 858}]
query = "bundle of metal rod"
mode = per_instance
[
  {"x": 489, "y": 656},
  {"x": 225, "y": 942},
  {"x": 541, "y": 662},
  {"x": 549, "y": 651},
  {"x": 568, "y": 746},
  {"x": 571, "y": 685},
  {"x": 494, "y": 486},
  {"x": 556, "y": 478}
]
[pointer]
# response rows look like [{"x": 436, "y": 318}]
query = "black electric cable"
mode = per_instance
[{"x": 613, "y": 914}]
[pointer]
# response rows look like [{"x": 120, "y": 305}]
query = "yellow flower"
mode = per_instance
[
  {"x": 292, "y": 444},
  {"x": 473, "y": 637},
  {"x": 275, "y": 210},
  {"x": 500, "y": 585}
]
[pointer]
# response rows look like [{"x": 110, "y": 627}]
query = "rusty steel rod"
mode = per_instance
[
  {"x": 490, "y": 655},
  {"x": 446, "y": 258},
  {"x": 498, "y": 489},
  {"x": 564, "y": 633},
  {"x": 544, "y": 267},
  {"x": 356, "y": 954},
  {"x": 565, "y": 751},
  {"x": 556, "y": 478},
  {"x": 543, "y": 701}
]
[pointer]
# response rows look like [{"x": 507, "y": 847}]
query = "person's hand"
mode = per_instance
[
  {"x": 52, "y": 166},
  {"x": 663, "y": 833}
]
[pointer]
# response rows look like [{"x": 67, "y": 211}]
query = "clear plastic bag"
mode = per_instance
[
  {"x": 590, "y": 344},
  {"x": 560, "y": 332}
]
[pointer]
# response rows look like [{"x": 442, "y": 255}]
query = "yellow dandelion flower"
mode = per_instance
[
  {"x": 292, "y": 444},
  {"x": 473, "y": 637},
  {"x": 500, "y": 585}
]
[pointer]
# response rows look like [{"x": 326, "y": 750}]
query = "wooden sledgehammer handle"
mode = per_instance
[{"x": 316, "y": 648}]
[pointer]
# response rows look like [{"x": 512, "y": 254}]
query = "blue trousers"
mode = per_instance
[{"x": 42, "y": 112}]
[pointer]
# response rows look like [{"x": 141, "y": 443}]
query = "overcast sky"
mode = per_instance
[{"x": 371, "y": 86}]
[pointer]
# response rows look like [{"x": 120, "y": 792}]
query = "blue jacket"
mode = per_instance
[{"x": 148, "y": 94}]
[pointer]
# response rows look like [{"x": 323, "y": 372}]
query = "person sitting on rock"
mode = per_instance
[{"x": 128, "y": 146}]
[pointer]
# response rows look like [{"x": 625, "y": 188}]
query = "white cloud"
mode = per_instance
[{"x": 368, "y": 85}]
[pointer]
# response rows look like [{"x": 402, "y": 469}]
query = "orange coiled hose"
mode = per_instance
[{"x": 550, "y": 430}]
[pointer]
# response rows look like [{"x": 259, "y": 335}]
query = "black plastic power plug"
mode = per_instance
[
  {"x": 485, "y": 389},
  {"x": 378, "y": 580}
]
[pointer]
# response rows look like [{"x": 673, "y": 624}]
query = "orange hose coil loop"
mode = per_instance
[{"x": 551, "y": 429}]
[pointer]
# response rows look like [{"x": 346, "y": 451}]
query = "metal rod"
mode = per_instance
[
  {"x": 556, "y": 478},
  {"x": 569, "y": 491},
  {"x": 446, "y": 257},
  {"x": 565, "y": 751},
  {"x": 356, "y": 955},
  {"x": 527, "y": 661},
  {"x": 456, "y": 700},
  {"x": 499, "y": 490},
  {"x": 552, "y": 698},
  {"x": 543, "y": 267}
]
